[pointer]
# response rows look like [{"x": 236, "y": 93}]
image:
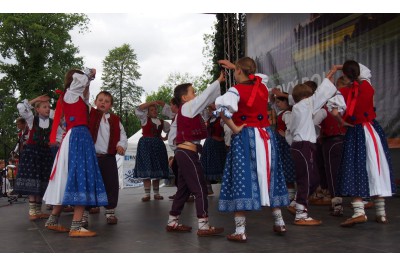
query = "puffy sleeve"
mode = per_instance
[
  {"x": 227, "y": 103},
  {"x": 142, "y": 115},
  {"x": 365, "y": 73},
  {"x": 78, "y": 85},
  {"x": 166, "y": 111},
  {"x": 166, "y": 127},
  {"x": 123, "y": 140},
  {"x": 25, "y": 111},
  {"x": 338, "y": 102}
]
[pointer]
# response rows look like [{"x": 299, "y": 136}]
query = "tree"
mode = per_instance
[
  {"x": 36, "y": 51},
  {"x": 120, "y": 71}
]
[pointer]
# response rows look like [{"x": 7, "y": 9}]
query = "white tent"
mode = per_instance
[{"x": 127, "y": 179}]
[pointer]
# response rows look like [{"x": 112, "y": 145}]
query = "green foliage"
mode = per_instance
[
  {"x": 36, "y": 51},
  {"x": 119, "y": 75},
  {"x": 120, "y": 71}
]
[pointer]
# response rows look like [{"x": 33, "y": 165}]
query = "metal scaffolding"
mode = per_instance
[{"x": 231, "y": 43}]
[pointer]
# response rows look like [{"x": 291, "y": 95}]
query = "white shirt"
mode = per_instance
[
  {"x": 142, "y": 115},
  {"x": 301, "y": 125},
  {"x": 103, "y": 136}
]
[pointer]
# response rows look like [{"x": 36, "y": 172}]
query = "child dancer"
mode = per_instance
[
  {"x": 303, "y": 147},
  {"x": 214, "y": 151},
  {"x": 366, "y": 168},
  {"x": 190, "y": 129},
  {"x": 253, "y": 175},
  {"x": 284, "y": 141},
  {"x": 151, "y": 157},
  {"x": 109, "y": 138},
  {"x": 36, "y": 158},
  {"x": 75, "y": 179}
]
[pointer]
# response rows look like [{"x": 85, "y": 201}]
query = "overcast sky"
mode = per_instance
[{"x": 163, "y": 44}]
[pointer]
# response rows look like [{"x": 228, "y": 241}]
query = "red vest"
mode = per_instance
[
  {"x": 95, "y": 117},
  {"x": 190, "y": 129},
  {"x": 330, "y": 126},
  {"x": 75, "y": 114},
  {"x": 214, "y": 129},
  {"x": 257, "y": 114},
  {"x": 151, "y": 129},
  {"x": 364, "y": 106},
  {"x": 280, "y": 124}
]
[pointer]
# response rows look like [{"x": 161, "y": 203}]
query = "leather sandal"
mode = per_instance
[
  {"x": 354, "y": 220},
  {"x": 112, "y": 220},
  {"x": 81, "y": 233},
  {"x": 178, "y": 228},
  {"x": 242, "y": 238},
  {"x": 146, "y": 198},
  {"x": 158, "y": 197},
  {"x": 58, "y": 228},
  {"x": 381, "y": 219},
  {"x": 210, "y": 231}
]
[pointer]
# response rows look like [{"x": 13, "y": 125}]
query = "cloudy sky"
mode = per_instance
[{"x": 163, "y": 44}]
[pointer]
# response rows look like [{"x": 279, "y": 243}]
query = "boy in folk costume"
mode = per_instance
[
  {"x": 366, "y": 167},
  {"x": 303, "y": 147},
  {"x": 190, "y": 129},
  {"x": 151, "y": 158},
  {"x": 36, "y": 158},
  {"x": 109, "y": 138},
  {"x": 253, "y": 175}
]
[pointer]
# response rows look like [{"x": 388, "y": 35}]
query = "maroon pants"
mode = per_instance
[
  {"x": 190, "y": 180},
  {"x": 307, "y": 174},
  {"x": 332, "y": 151},
  {"x": 109, "y": 172}
]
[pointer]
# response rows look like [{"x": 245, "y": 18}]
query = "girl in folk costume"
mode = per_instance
[
  {"x": 284, "y": 140},
  {"x": 189, "y": 132},
  {"x": 366, "y": 168},
  {"x": 151, "y": 157},
  {"x": 36, "y": 158},
  {"x": 253, "y": 175},
  {"x": 75, "y": 179},
  {"x": 214, "y": 151}
]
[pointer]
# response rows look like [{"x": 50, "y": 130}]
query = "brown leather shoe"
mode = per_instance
[
  {"x": 242, "y": 238},
  {"x": 291, "y": 210},
  {"x": 81, "y": 233},
  {"x": 211, "y": 231},
  {"x": 146, "y": 198},
  {"x": 58, "y": 228},
  {"x": 178, "y": 228},
  {"x": 279, "y": 229},
  {"x": 352, "y": 221},
  {"x": 158, "y": 197},
  {"x": 307, "y": 222},
  {"x": 34, "y": 217},
  {"x": 171, "y": 197},
  {"x": 43, "y": 215},
  {"x": 381, "y": 219},
  {"x": 112, "y": 220}
]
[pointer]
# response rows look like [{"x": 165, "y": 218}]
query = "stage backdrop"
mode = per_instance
[{"x": 293, "y": 48}]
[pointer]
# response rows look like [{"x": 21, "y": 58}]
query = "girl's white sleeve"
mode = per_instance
[
  {"x": 142, "y": 115},
  {"x": 75, "y": 90},
  {"x": 337, "y": 101},
  {"x": 24, "y": 110},
  {"x": 227, "y": 103},
  {"x": 167, "y": 111},
  {"x": 166, "y": 127}
]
